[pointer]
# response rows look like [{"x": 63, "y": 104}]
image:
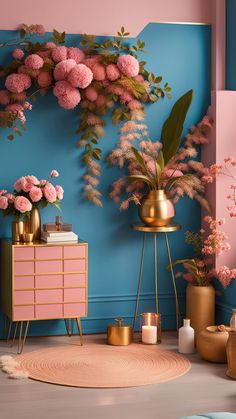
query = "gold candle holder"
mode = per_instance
[
  {"x": 150, "y": 328},
  {"x": 27, "y": 237}
]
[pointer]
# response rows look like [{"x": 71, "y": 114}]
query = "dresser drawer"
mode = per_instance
[
  {"x": 49, "y": 266},
  {"x": 74, "y": 280},
  {"x": 48, "y": 252},
  {"x": 23, "y": 297},
  {"x": 75, "y": 265},
  {"x": 23, "y": 313},
  {"x": 48, "y": 281},
  {"x": 49, "y": 296},
  {"x": 74, "y": 294},
  {"x": 23, "y": 268},
  {"x": 75, "y": 251},
  {"x": 22, "y": 253},
  {"x": 75, "y": 310},
  {"x": 21, "y": 282},
  {"x": 49, "y": 311}
]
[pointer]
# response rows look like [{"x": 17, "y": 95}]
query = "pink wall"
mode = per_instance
[{"x": 103, "y": 16}]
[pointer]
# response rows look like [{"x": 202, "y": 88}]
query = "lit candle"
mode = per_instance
[{"x": 149, "y": 333}]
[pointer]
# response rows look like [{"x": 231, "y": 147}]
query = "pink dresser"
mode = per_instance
[{"x": 44, "y": 281}]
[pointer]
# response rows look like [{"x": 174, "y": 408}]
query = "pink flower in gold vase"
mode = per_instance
[
  {"x": 50, "y": 193},
  {"x": 35, "y": 194},
  {"x": 3, "y": 202},
  {"x": 22, "y": 204}
]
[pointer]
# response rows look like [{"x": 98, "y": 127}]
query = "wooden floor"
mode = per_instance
[{"x": 204, "y": 389}]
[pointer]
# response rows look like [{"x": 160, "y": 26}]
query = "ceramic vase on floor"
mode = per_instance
[
  {"x": 186, "y": 338},
  {"x": 200, "y": 307},
  {"x": 156, "y": 209},
  {"x": 211, "y": 344}
]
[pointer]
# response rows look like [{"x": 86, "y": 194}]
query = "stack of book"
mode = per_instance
[{"x": 59, "y": 237}]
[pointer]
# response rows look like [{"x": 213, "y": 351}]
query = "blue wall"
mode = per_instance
[
  {"x": 231, "y": 44},
  {"x": 181, "y": 53}
]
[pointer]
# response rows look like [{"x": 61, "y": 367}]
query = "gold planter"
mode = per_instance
[
  {"x": 231, "y": 354},
  {"x": 211, "y": 344},
  {"x": 32, "y": 224},
  {"x": 17, "y": 229},
  {"x": 156, "y": 210},
  {"x": 200, "y": 307},
  {"x": 119, "y": 334}
]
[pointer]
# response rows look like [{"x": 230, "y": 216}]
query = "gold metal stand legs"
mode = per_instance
[
  {"x": 70, "y": 329},
  {"x": 22, "y": 334},
  {"x": 156, "y": 277}
]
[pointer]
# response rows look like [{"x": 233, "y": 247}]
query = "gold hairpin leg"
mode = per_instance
[
  {"x": 155, "y": 270},
  {"x": 14, "y": 336},
  {"x": 80, "y": 330},
  {"x": 21, "y": 341},
  {"x": 178, "y": 317},
  {"x": 139, "y": 281},
  {"x": 5, "y": 327},
  {"x": 69, "y": 330},
  {"x": 9, "y": 330}
]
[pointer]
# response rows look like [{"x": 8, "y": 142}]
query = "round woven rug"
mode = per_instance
[{"x": 99, "y": 365}]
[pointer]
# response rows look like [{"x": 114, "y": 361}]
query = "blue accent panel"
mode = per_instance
[
  {"x": 231, "y": 44},
  {"x": 181, "y": 53}
]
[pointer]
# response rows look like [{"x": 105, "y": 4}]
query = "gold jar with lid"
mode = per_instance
[{"x": 119, "y": 334}]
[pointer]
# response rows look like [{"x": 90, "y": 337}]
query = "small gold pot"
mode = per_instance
[
  {"x": 119, "y": 334},
  {"x": 211, "y": 344},
  {"x": 200, "y": 307},
  {"x": 231, "y": 355},
  {"x": 32, "y": 224},
  {"x": 17, "y": 229},
  {"x": 156, "y": 210}
]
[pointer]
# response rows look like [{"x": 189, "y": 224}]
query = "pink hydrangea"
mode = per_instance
[
  {"x": 34, "y": 62},
  {"x": 18, "y": 54},
  {"x": 50, "y": 193},
  {"x": 80, "y": 76},
  {"x": 22, "y": 204},
  {"x": 17, "y": 83},
  {"x": 59, "y": 191},
  {"x": 76, "y": 54},
  {"x": 35, "y": 194},
  {"x": 91, "y": 94},
  {"x": 134, "y": 104},
  {"x": 99, "y": 72},
  {"x": 63, "y": 69},
  {"x": 50, "y": 45},
  {"x": 112, "y": 72},
  {"x": 100, "y": 101},
  {"x": 4, "y": 97},
  {"x": 68, "y": 96},
  {"x": 59, "y": 54},
  {"x": 44, "y": 79},
  {"x": 91, "y": 61},
  {"x": 10, "y": 198},
  {"x": 128, "y": 65},
  {"x": 54, "y": 173},
  {"x": 3, "y": 202}
]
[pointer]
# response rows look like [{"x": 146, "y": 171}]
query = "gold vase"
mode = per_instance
[
  {"x": 231, "y": 354},
  {"x": 156, "y": 210},
  {"x": 17, "y": 229},
  {"x": 200, "y": 307},
  {"x": 211, "y": 344},
  {"x": 32, "y": 224}
]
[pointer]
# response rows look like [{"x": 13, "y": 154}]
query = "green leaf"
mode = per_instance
[
  {"x": 173, "y": 126},
  {"x": 139, "y": 158},
  {"x": 160, "y": 161},
  {"x": 141, "y": 178}
]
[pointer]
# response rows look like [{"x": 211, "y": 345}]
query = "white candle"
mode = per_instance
[{"x": 149, "y": 334}]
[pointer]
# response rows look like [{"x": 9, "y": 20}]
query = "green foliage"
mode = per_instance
[
  {"x": 173, "y": 126},
  {"x": 195, "y": 240},
  {"x": 123, "y": 32},
  {"x": 58, "y": 37}
]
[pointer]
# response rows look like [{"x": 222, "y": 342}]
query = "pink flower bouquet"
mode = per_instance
[
  {"x": 200, "y": 270},
  {"x": 30, "y": 192}
]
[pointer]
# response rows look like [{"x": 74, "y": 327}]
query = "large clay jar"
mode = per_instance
[
  {"x": 156, "y": 210},
  {"x": 200, "y": 307},
  {"x": 211, "y": 344},
  {"x": 231, "y": 354},
  {"x": 32, "y": 224}
]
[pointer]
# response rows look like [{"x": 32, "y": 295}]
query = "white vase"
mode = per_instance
[{"x": 186, "y": 338}]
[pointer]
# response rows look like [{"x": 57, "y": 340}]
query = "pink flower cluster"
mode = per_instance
[
  {"x": 29, "y": 191},
  {"x": 215, "y": 243}
]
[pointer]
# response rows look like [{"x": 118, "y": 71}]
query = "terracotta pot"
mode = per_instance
[
  {"x": 156, "y": 209},
  {"x": 17, "y": 229},
  {"x": 211, "y": 344},
  {"x": 231, "y": 354},
  {"x": 200, "y": 307},
  {"x": 32, "y": 224}
]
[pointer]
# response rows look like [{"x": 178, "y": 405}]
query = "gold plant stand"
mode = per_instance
[{"x": 155, "y": 230}]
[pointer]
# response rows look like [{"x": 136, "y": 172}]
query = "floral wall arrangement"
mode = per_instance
[{"x": 95, "y": 76}]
